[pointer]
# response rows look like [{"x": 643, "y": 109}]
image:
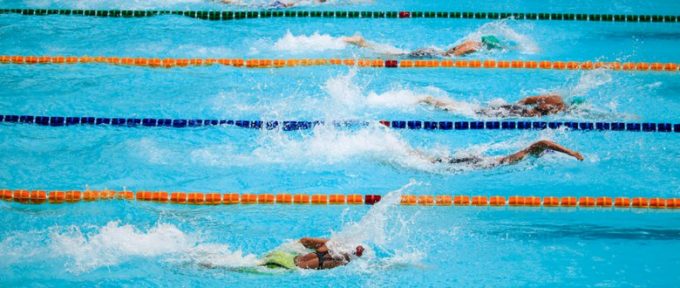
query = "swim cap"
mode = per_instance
[
  {"x": 359, "y": 251},
  {"x": 575, "y": 101},
  {"x": 491, "y": 42}
]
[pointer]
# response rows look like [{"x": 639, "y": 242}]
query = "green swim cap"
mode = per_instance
[
  {"x": 575, "y": 101},
  {"x": 491, "y": 42}
]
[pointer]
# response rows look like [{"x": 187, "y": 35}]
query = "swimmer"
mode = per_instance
[
  {"x": 537, "y": 149},
  {"x": 321, "y": 258},
  {"x": 276, "y": 4},
  {"x": 488, "y": 42},
  {"x": 533, "y": 106}
]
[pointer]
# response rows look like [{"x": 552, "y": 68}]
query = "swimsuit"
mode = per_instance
[
  {"x": 507, "y": 110},
  {"x": 280, "y": 259},
  {"x": 471, "y": 160},
  {"x": 425, "y": 53},
  {"x": 321, "y": 259}
]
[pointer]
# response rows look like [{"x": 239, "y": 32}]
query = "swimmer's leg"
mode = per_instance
[{"x": 536, "y": 149}]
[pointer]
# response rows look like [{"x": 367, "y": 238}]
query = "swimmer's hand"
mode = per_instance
[{"x": 577, "y": 155}]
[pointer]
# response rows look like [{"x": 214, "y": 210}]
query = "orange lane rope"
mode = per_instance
[
  {"x": 373, "y": 63},
  {"x": 56, "y": 197}
]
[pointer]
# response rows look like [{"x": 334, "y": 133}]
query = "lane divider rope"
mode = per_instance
[
  {"x": 59, "y": 121},
  {"x": 364, "y": 63},
  {"x": 251, "y": 14},
  {"x": 57, "y": 197}
]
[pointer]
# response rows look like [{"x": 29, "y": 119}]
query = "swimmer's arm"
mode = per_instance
[
  {"x": 357, "y": 41},
  {"x": 443, "y": 104},
  {"x": 322, "y": 249},
  {"x": 536, "y": 149},
  {"x": 557, "y": 147},
  {"x": 313, "y": 243},
  {"x": 465, "y": 48}
]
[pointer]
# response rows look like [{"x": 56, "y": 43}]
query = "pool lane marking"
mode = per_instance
[
  {"x": 57, "y": 197},
  {"x": 59, "y": 121},
  {"x": 363, "y": 63},
  {"x": 258, "y": 14}
]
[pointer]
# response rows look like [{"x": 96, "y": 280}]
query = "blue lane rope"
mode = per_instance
[{"x": 56, "y": 121}]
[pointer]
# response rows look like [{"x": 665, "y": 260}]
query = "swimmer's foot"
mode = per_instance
[{"x": 577, "y": 155}]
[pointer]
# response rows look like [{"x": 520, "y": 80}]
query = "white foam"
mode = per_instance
[
  {"x": 327, "y": 145},
  {"x": 303, "y": 43},
  {"x": 590, "y": 80},
  {"x": 344, "y": 93},
  {"x": 599, "y": 103},
  {"x": 370, "y": 228},
  {"x": 347, "y": 97},
  {"x": 115, "y": 243},
  {"x": 372, "y": 231}
]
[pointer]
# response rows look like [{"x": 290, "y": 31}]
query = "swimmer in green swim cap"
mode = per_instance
[
  {"x": 487, "y": 42},
  {"x": 533, "y": 106},
  {"x": 319, "y": 259}
]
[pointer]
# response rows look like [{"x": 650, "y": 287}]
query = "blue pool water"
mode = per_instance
[{"x": 118, "y": 243}]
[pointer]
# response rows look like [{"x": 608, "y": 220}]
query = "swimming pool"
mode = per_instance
[{"x": 115, "y": 243}]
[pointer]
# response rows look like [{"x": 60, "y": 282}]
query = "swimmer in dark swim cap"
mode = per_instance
[
  {"x": 321, "y": 258},
  {"x": 534, "y": 106},
  {"x": 488, "y": 42},
  {"x": 537, "y": 149}
]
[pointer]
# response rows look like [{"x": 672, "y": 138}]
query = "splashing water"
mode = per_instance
[
  {"x": 588, "y": 81},
  {"x": 347, "y": 97},
  {"x": 371, "y": 227},
  {"x": 303, "y": 43},
  {"x": 327, "y": 145},
  {"x": 115, "y": 243},
  {"x": 372, "y": 230},
  {"x": 324, "y": 42},
  {"x": 593, "y": 101}
]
